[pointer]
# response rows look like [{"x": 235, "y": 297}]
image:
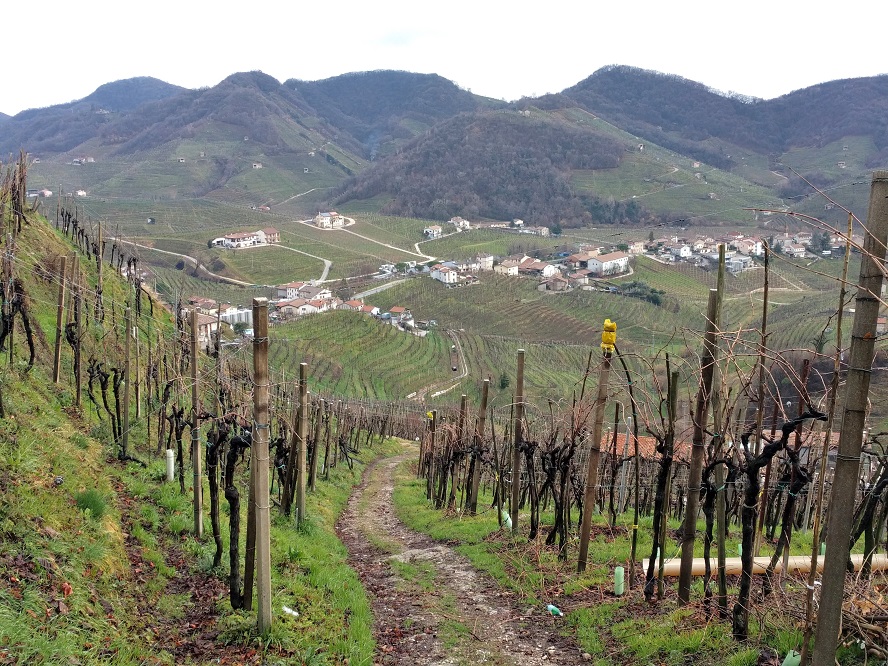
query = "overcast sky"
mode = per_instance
[{"x": 57, "y": 52}]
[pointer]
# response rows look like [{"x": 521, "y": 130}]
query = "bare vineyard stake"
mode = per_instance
[
  {"x": 303, "y": 444},
  {"x": 195, "y": 428},
  {"x": 594, "y": 457},
  {"x": 259, "y": 468},
  {"x": 60, "y": 319},
  {"x": 701, "y": 414},
  {"x": 863, "y": 338},
  {"x": 519, "y": 436}
]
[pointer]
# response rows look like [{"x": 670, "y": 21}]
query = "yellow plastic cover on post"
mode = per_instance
[{"x": 609, "y": 335}]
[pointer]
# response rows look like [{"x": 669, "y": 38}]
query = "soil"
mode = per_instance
[
  {"x": 189, "y": 634},
  {"x": 430, "y": 605}
]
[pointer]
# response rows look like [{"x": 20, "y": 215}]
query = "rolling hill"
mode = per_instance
[{"x": 624, "y": 145}]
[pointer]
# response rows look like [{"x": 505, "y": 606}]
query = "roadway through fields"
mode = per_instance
[
  {"x": 435, "y": 389},
  {"x": 194, "y": 262}
]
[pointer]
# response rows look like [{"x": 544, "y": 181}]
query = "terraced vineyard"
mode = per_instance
[{"x": 350, "y": 354}]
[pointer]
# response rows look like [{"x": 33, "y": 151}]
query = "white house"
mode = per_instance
[
  {"x": 485, "y": 262},
  {"x": 432, "y": 231},
  {"x": 444, "y": 274},
  {"x": 609, "y": 264},
  {"x": 681, "y": 251},
  {"x": 241, "y": 239},
  {"x": 329, "y": 220},
  {"x": 290, "y": 290},
  {"x": 298, "y": 306},
  {"x": 460, "y": 223}
]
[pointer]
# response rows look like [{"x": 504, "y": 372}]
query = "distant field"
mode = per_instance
[
  {"x": 351, "y": 354},
  {"x": 467, "y": 244}
]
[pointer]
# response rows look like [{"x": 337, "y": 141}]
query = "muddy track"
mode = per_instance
[{"x": 430, "y": 605}]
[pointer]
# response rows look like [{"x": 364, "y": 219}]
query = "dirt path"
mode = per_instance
[{"x": 431, "y": 607}]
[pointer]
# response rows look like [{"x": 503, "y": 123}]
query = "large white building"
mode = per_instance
[
  {"x": 608, "y": 264},
  {"x": 444, "y": 274}
]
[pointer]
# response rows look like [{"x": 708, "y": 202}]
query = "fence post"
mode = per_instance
[{"x": 302, "y": 441}]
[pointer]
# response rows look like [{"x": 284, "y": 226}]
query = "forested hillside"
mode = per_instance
[{"x": 500, "y": 165}]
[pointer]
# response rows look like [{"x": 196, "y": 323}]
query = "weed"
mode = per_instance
[
  {"x": 178, "y": 523},
  {"x": 92, "y": 503},
  {"x": 80, "y": 441}
]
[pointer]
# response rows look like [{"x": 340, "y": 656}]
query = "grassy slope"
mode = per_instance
[
  {"x": 113, "y": 584},
  {"x": 613, "y": 630}
]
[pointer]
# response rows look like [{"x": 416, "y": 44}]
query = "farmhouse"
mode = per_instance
[
  {"x": 444, "y": 274},
  {"x": 485, "y": 262},
  {"x": 432, "y": 231},
  {"x": 271, "y": 234},
  {"x": 290, "y": 290},
  {"x": 530, "y": 266},
  {"x": 311, "y": 292},
  {"x": 507, "y": 267},
  {"x": 460, "y": 223},
  {"x": 793, "y": 250},
  {"x": 608, "y": 264},
  {"x": 555, "y": 283},
  {"x": 241, "y": 239},
  {"x": 329, "y": 220},
  {"x": 297, "y": 307}
]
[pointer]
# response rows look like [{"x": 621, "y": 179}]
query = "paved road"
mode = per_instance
[{"x": 194, "y": 262}]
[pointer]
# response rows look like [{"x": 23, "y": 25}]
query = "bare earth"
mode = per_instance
[{"x": 430, "y": 605}]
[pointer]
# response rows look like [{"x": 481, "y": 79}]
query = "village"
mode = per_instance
[{"x": 588, "y": 267}]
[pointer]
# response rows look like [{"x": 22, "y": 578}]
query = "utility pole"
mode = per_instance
[
  {"x": 60, "y": 319},
  {"x": 259, "y": 466},
  {"x": 519, "y": 437},
  {"x": 863, "y": 338},
  {"x": 195, "y": 431},
  {"x": 698, "y": 450},
  {"x": 608, "y": 339}
]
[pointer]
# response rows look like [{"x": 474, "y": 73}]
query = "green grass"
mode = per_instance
[{"x": 613, "y": 631}]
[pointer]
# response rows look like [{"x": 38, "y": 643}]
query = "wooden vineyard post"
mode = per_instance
[
  {"x": 60, "y": 319},
  {"x": 315, "y": 450},
  {"x": 195, "y": 431},
  {"x": 701, "y": 414},
  {"x": 302, "y": 442},
  {"x": 430, "y": 454},
  {"x": 127, "y": 380},
  {"x": 259, "y": 466},
  {"x": 519, "y": 437},
  {"x": 845, "y": 481},
  {"x": 608, "y": 338},
  {"x": 78, "y": 334},
  {"x": 478, "y": 439}
]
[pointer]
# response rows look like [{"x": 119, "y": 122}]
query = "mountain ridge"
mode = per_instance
[{"x": 378, "y": 122}]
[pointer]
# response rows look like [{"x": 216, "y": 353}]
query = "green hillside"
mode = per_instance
[{"x": 97, "y": 565}]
